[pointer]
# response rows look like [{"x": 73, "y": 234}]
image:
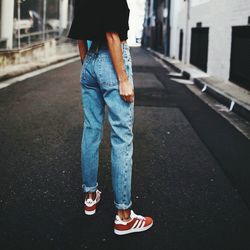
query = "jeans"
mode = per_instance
[{"x": 100, "y": 87}]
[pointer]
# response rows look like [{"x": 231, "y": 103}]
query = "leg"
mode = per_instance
[
  {"x": 94, "y": 108},
  {"x": 121, "y": 117}
]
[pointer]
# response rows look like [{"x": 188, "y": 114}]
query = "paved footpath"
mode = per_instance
[{"x": 188, "y": 172}]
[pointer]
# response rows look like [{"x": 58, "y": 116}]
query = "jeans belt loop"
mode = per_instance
[{"x": 97, "y": 48}]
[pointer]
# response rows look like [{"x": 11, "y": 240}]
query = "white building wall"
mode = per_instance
[
  {"x": 219, "y": 16},
  {"x": 179, "y": 15}
]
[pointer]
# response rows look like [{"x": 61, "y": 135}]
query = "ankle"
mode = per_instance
[
  {"x": 90, "y": 195},
  {"x": 124, "y": 214}
]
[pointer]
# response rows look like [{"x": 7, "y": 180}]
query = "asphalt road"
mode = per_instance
[{"x": 190, "y": 171}]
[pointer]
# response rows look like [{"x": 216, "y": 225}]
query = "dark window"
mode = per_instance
[
  {"x": 240, "y": 56},
  {"x": 199, "y": 48},
  {"x": 181, "y": 45}
]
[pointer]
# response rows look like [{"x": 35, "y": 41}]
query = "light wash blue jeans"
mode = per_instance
[{"x": 100, "y": 87}]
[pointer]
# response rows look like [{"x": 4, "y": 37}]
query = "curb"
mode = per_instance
[
  {"x": 162, "y": 57},
  {"x": 234, "y": 105}
]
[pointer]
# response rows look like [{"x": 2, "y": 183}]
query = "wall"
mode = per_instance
[
  {"x": 219, "y": 16},
  {"x": 29, "y": 54}
]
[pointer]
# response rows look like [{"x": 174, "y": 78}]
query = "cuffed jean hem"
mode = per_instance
[
  {"x": 89, "y": 189},
  {"x": 123, "y": 206}
]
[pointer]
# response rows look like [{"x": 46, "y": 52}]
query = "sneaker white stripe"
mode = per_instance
[
  {"x": 143, "y": 224},
  {"x": 135, "y": 224},
  {"x": 139, "y": 224},
  {"x": 135, "y": 230}
]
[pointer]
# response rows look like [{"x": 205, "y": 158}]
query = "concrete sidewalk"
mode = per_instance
[
  {"x": 236, "y": 98},
  {"x": 64, "y": 51}
]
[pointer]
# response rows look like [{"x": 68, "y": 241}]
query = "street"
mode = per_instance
[{"x": 189, "y": 168}]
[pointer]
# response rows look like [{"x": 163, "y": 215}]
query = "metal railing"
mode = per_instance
[{"x": 27, "y": 39}]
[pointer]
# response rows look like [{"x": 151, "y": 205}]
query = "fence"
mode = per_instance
[{"x": 30, "y": 38}]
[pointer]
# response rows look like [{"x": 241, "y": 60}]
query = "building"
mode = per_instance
[
  {"x": 212, "y": 35},
  {"x": 157, "y": 25},
  {"x": 23, "y": 22}
]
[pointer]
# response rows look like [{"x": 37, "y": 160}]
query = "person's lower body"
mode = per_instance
[{"x": 100, "y": 88}]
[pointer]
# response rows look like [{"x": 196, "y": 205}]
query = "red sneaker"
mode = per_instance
[
  {"x": 90, "y": 205},
  {"x": 137, "y": 223}
]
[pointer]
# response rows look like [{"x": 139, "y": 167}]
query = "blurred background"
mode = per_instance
[
  {"x": 31, "y": 29},
  {"x": 24, "y": 22},
  {"x": 210, "y": 35}
]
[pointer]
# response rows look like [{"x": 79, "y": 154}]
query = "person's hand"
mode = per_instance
[{"x": 126, "y": 91}]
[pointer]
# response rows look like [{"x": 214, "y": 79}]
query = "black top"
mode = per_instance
[{"x": 92, "y": 18}]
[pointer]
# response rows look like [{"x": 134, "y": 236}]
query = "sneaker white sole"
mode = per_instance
[
  {"x": 132, "y": 230},
  {"x": 89, "y": 212}
]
